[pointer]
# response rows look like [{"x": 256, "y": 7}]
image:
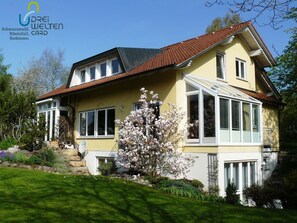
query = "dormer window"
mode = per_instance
[
  {"x": 103, "y": 69},
  {"x": 83, "y": 76},
  {"x": 92, "y": 73},
  {"x": 115, "y": 66}
]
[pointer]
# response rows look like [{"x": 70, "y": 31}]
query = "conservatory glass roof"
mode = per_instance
[{"x": 219, "y": 88}]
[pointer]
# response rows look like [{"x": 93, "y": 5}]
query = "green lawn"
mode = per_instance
[{"x": 33, "y": 196}]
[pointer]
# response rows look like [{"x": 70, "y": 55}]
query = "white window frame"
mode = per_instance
[
  {"x": 96, "y": 135},
  {"x": 106, "y": 121},
  {"x": 79, "y": 123},
  {"x": 223, "y": 63},
  {"x": 94, "y": 66},
  {"x": 100, "y": 70},
  {"x": 81, "y": 72},
  {"x": 119, "y": 67},
  {"x": 202, "y": 140},
  {"x": 241, "y": 74},
  {"x": 240, "y": 174}
]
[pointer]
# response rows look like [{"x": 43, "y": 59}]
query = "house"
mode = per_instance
[{"x": 219, "y": 81}]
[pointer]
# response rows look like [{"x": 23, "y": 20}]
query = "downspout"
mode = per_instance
[{"x": 281, "y": 108}]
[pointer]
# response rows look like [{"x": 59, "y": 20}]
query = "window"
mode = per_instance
[
  {"x": 255, "y": 118},
  {"x": 92, "y": 73},
  {"x": 235, "y": 115},
  {"x": 193, "y": 116},
  {"x": 209, "y": 115},
  {"x": 235, "y": 177},
  {"x": 103, "y": 70},
  {"x": 106, "y": 123},
  {"x": 246, "y": 122},
  {"x": 115, "y": 66},
  {"x": 200, "y": 109},
  {"x": 91, "y": 123},
  {"x": 83, "y": 76},
  {"x": 252, "y": 173},
  {"x": 246, "y": 117},
  {"x": 227, "y": 173},
  {"x": 247, "y": 171},
  {"x": 224, "y": 113},
  {"x": 245, "y": 175},
  {"x": 87, "y": 123},
  {"x": 220, "y": 59},
  {"x": 240, "y": 69}
]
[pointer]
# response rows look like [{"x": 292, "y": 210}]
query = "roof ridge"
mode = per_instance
[{"x": 205, "y": 34}]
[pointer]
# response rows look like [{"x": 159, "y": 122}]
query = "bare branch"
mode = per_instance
[{"x": 274, "y": 10}]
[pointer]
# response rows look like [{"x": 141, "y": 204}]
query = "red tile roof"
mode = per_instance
[
  {"x": 170, "y": 56},
  {"x": 262, "y": 97}
]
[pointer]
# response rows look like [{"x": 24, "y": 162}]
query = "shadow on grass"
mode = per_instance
[{"x": 32, "y": 196}]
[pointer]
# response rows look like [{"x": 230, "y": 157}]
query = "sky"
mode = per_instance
[{"x": 89, "y": 27}]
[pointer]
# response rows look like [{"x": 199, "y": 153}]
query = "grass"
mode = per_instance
[{"x": 33, "y": 196}]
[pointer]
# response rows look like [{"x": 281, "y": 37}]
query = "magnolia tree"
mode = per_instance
[{"x": 148, "y": 142}]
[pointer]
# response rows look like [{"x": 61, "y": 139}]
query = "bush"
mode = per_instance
[
  {"x": 290, "y": 182},
  {"x": 155, "y": 180},
  {"x": 214, "y": 190},
  {"x": 263, "y": 195},
  {"x": 20, "y": 157},
  {"x": 180, "y": 188},
  {"x": 231, "y": 196},
  {"x": 195, "y": 183},
  {"x": 7, "y": 143},
  {"x": 33, "y": 160},
  {"x": 107, "y": 168},
  {"x": 34, "y": 135},
  {"x": 47, "y": 156}
]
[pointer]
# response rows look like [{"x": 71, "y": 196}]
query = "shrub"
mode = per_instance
[
  {"x": 20, "y": 157},
  {"x": 180, "y": 188},
  {"x": 7, "y": 143},
  {"x": 195, "y": 183},
  {"x": 155, "y": 180},
  {"x": 47, "y": 156},
  {"x": 33, "y": 160},
  {"x": 34, "y": 135},
  {"x": 263, "y": 195},
  {"x": 231, "y": 196},
  {"x": 107, "y": 168},
  {"x": 184, "y": 188},
  {"x": 214, "y": 190},
  {"x": 290, "y": 182}
]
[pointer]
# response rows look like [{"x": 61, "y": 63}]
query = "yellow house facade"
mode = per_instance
[{"x": 231, "y": 108}]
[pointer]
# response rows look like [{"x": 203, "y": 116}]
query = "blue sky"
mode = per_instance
[{"x": 94, "y": 26}]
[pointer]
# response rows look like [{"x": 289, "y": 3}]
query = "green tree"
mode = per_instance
[
  {"x": 3, "y": 68},
  {"x": 17, "y": 109},
  {"x": 223, "y": 22},
  {"x": 284, "y": 76}
]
